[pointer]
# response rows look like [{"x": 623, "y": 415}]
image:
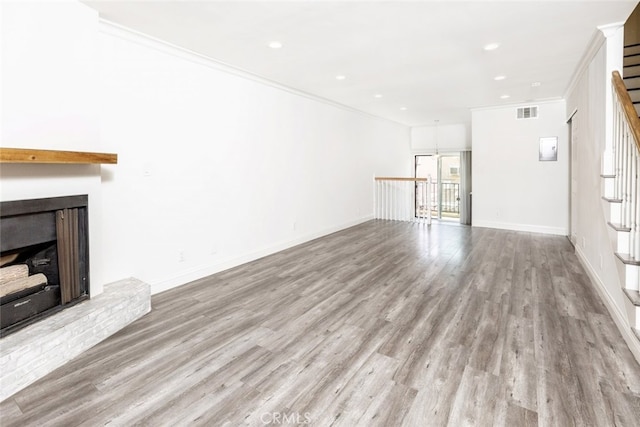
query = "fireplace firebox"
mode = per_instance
[{"x": 44, "y": 258}]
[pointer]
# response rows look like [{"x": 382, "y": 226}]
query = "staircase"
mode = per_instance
[
  {"x": 622, "y": 182},
  {"x": 631, "y": 74}
]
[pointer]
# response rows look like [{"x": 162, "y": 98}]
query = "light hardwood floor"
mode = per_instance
[{"x": 383, "y": 324}]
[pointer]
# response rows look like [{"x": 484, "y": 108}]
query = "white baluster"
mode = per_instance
[
  {"x": 632, "y": 205},
  {"x": 621, "y": 148},
  {"x": 623, "y": 181},
  {"x": 416, "y": 204},
  {"x": 389, "y": 199},
  {"x": 396, "y": 194},
  {"x": 379, "y": 204},
  {"x": 429, "y": 196},
  {"x": 629, "y": 181},
  {"x": 616, "y": 148},
  {"x": 393, "y": 200},
  {"x": 636, "y": 241},
  {"x": 619, "y": 158},
  {"x": 380, "y": 199},
  {"x": 410, "y": 206},
  {"x": 625, "y": 155},
  {"x": 386, "y": 200},
  {"x": 401, "y": 200},
  {"x": 407, "y": 200},
  {"x": 424, "y": 200}
]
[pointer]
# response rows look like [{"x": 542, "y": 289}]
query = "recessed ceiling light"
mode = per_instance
[
  {"x": 498, "y": 78},
  {"x": 275, "y": 45},
  {"x": 535, "y": 84},
  {"x": 377, "y": 95},
  {"x": 491, "y": 46},
  {"x": 341, "y": 77},
  {"x": 403, "y": 108},
  {"x": 505, "y": 97}
]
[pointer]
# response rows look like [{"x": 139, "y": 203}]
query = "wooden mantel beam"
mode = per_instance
[{"x": 26, "y": 155}]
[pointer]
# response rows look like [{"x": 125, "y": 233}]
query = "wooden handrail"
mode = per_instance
[
  {"x": 629, "y": 110},
  {"x": 384, "y": 178},
  {"x": 26, "y": 155}
]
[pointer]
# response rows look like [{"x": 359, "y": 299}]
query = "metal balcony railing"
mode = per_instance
[{"x": 449, "y": 195}]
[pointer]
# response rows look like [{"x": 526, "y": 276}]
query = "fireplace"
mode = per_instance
[{"x": 44, "y": 258}]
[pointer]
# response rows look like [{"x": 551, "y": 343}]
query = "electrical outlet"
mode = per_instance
[
  {"x": 181, "y": 257},
  {"x": 146, "y": 170}
]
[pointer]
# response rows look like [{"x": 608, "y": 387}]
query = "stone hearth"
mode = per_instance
[{"x": 32, "y": 352}]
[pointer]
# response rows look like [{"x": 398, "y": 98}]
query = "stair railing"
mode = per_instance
[
  {"x": 626, "y": 149},
  {"x": 403, "y": 199}
]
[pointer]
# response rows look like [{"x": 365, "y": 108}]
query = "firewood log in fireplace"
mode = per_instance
[
  {"x": 13, "y": 272},
  {"x": 22, "y": 283},
  {"x": 6, "y": 259}
]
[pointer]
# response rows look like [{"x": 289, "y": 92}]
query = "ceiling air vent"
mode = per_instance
[{"x": 527, "y": 112}]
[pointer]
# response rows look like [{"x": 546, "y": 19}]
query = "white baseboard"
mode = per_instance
[
  {"x": 208, "y": 270},
  {"x": 559, "y": 231},
  {"x": 616, "y": 314}
]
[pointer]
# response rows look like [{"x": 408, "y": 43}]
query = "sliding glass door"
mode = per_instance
[{"x": 444, "y": 170}]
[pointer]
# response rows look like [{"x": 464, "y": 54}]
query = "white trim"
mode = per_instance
[
  {"x": 119, "y": 31},
  {"x": 618, "y": 317},
  {"x": 530, "y": 228},
  {"x": 208, "y": 270},
  {"x": 609, "y": 30},
  {"x": 596, "y": 42}
]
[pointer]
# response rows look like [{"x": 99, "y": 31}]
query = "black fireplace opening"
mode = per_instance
[{"x": 44, "y": 258}]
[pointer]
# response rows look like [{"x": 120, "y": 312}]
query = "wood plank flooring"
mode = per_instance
[{"x": 383, "y": 324}]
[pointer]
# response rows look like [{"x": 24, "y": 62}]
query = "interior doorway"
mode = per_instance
[{"x": 444, "y": 170}]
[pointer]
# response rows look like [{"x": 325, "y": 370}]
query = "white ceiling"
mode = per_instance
[{"x": 426, "y": 56}]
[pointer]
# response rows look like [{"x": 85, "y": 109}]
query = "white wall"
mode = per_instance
[
  {"x": 214, "y": 169},
  {"x": 49, "y": 101},
  {"x": 444, "y": 138},
  {"x": 593, "y": 240},
  {"x": 512, "y": 189}
]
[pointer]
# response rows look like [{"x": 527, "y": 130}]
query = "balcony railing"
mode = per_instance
[{"x": 449, "y": 196}]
